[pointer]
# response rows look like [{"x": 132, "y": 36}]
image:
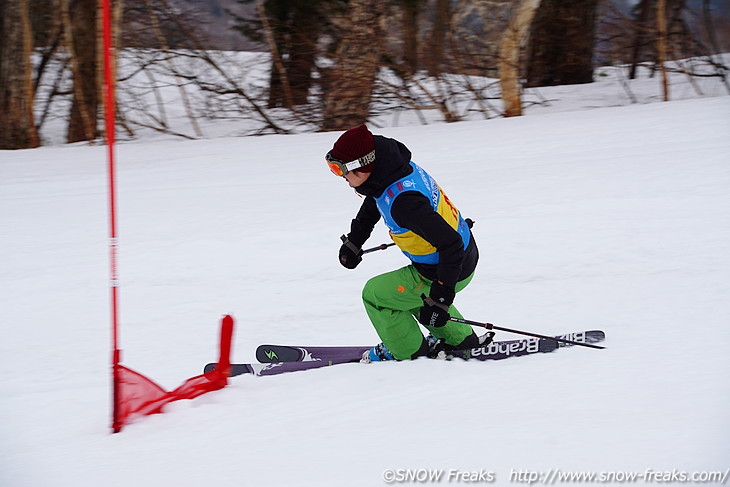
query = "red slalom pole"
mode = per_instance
[{"x": 109, "y": 123}]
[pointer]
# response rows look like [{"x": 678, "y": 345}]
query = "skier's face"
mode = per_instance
[{"x": 356, "y": 178}]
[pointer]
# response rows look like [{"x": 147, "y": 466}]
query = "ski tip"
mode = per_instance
[
  {"x": 587, "y": 338},
  {"x": 594, "y": 336},
  {"x": 209, "y": 368}
]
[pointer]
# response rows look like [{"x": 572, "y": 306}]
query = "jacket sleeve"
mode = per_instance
[
  {"x": 362, "y": 225},
  {"x": 413, "y": 211}
]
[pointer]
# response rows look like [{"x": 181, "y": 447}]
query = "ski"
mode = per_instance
[
  {"x": 306, "y": 358},
  {"x": 274, "y": 368},
  {"x": 291, "y": 353}
]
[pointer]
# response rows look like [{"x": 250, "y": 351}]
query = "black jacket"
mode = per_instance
[{"x": 413, "y": 211}]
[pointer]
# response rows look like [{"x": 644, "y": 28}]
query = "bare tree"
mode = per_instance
[
  {"x": 171, "y": 60},
  {"x": 81, "y": 44},
  {"x": 661, "y": 16},
  {"x": 279, "y": 86},
  {"x": 291, "y": 29},
  {"x": 441, "y": 26},
  {"x": 347, "y": 102},
  {"x": 409, "y": 12},
  {"x": 350, "y": 63},
  {"x": 713, "y": 42},
  {"x": 561, "y": 43},
  {"x": 17, "y": 128},
  {"x": 509, "y": 56},
  {"x": 641, "y": 35}
]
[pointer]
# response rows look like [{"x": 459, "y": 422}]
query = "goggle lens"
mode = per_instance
[{"x": 335, "y": 168}]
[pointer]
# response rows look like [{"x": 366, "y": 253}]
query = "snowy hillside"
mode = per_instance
[{"x": 613, "y": 218}]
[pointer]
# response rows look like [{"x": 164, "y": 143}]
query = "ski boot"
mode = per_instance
[{"x": 378, "y": 353}]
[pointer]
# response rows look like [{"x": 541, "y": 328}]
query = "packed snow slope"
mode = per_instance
[{"x": 614, "y": 218}]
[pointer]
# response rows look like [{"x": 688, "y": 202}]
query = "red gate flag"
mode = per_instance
[
  {"x": 134, "y": 394},
  {"x": 138, "y": 395}
]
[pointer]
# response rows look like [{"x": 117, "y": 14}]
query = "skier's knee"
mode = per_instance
[{"x": 370, "y": 290}]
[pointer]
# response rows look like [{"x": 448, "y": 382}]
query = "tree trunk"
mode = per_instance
[
  {"x": 292, "y": 31},
  {"x": 509, "y": 56},
  {"x": 561, "y": 43},
  {"x": 640, "y": 36},
  {"x": 82, "y": 45},
  {"x": 661, "y": 18},
  {"x": 347, "y": 102},
  {"x": 302, "y": 55},
  {"x": 17, "y": 128},
  {"x": 441, "y": 22},
  {"x": 279, "y": 87},
  {"x": 409, "y": 11}
]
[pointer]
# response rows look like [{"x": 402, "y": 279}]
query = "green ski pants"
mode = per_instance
[{"x": 393, "y": 301}]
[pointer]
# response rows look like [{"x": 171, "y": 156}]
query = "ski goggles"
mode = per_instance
[{"x": 340, "y": 167}]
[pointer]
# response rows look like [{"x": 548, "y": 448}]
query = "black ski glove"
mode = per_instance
[
  {"x": 435, "y": 310},
  {"x": 350, "y": 254}
]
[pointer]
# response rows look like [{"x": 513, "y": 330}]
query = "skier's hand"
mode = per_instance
[
  {"x": 350, "y": 254},
  {"x": 435, "y": 310}
]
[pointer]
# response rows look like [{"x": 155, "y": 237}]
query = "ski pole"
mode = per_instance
[
  {"x": 379, "y": 247},
  {"x": 490, "y": 326},
  {"x": 367, "y": 251}
]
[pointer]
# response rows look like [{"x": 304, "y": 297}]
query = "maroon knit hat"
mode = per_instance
[{"x": 354, "y": 144}]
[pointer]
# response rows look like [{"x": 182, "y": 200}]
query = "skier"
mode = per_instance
[{"x": 427, "y": 228}]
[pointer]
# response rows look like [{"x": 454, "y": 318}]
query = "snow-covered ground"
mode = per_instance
[{"x": 612, "y": 218}]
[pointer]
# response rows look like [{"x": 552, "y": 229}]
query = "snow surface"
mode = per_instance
[{"x": 612, "y": 218}]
